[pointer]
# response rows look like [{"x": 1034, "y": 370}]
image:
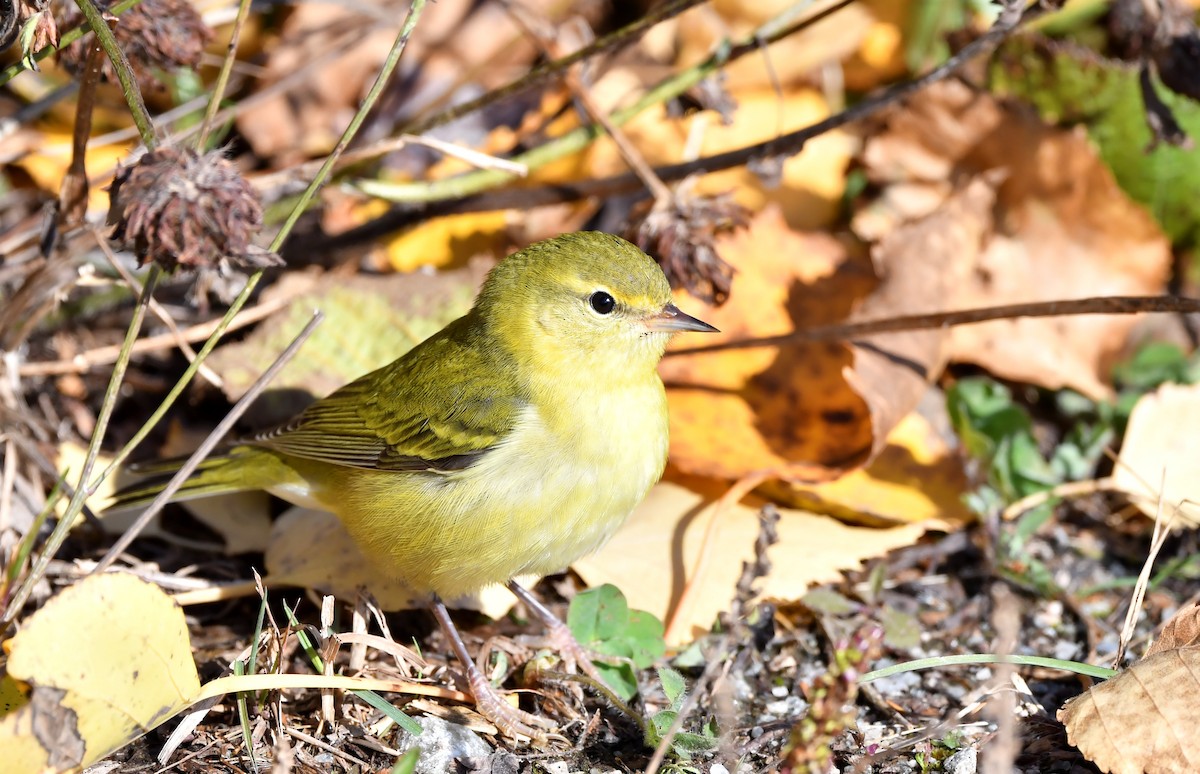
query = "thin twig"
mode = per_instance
[
  {"x": 218, "y": 90},
  {"x": 1162, "y": 530},
  {"x": 216, "y": 436},
  {"x": 159, "y": 310},
  {"x": 101, "y": 356},
  {"x": 846, "y": 331},
  {"x": 1067, "y": 489}
]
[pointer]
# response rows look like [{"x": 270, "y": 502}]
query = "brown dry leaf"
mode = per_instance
[
  {"x": 867, "y": 36},
  {"x": 917, "y": 478},
  {"x": 744, "y": 410},
  {"x": 1142, "y": 720},
  {"x": 786, "y": 409},
  {"x": 1182, "y": 631},
  {"x": 1160, "y": 455},
  {"x": 456, "y": 36},
  {"x": 1064, "y": 229},
  {"x": 923, "y": 259},
  {"x": 659, "y": 544}
]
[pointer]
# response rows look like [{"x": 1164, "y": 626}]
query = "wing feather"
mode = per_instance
[{"x": 440, "y": 407}]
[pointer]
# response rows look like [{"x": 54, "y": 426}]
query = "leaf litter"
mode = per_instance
[{"x": 950, "y": 199}]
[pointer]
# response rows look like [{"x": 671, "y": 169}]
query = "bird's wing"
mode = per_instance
[{"x": 440, "y": 407}]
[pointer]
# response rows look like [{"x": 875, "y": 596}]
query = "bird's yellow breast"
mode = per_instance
[{"x": 556, "y": 489}]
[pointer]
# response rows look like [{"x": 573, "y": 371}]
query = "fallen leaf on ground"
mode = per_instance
[
  {"x": 923, "y": 259},
  {"x": 1142, "y": 720},
  {"x": 916, "y": 478},
  {"x": 99, "y": 665},
  {"x": 744, "y": 410},
  {"x": 1181, "y": 631},
  {"x": 785, "y": 409},
  {"x": 1063, "y": 229},
  {"x": 1160, "y": 455},
  {"x": 651, "y": 555}
]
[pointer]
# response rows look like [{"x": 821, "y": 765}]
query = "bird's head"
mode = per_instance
[{"x": 582, "y": 302}]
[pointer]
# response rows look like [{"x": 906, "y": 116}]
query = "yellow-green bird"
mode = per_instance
[{"x": 514, "y": 441}]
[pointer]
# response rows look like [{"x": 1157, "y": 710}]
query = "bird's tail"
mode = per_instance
[{"x": 222, "y": 473}]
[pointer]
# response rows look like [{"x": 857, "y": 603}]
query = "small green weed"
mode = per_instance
[{"x": 601, "y": 621}]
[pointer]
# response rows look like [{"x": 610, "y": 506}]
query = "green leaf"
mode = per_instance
[
  {"x": 900, "y": 630},
  {"x": 674, "y": 686},
  {"x": 828, "y": 601},
  {"x": 601, "y": 620},
  {"x": 407, "y": 763},
  {"x": 1069, "y": 84}
]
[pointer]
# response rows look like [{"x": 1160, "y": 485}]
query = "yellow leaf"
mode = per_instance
[
  {"x": 650, "y": 556},
  {"x": 49, "y": 163},
  {"x": 1160, "y": 458},
  {"x": 108, "y": 659},
  {"x": 448, "y": 241},
  {"x": 915, "y": 479}
]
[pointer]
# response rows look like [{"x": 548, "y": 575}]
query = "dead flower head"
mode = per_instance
[
  {"x": 680, "y": 235},
  {"x": 176, "y": 207},
  {"x": 155, "y": 35}
]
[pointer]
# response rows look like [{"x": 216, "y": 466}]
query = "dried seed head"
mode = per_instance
[
  {"x": 154, "y": 35},
  {"x": 176, "y": 207},
  {"x": 680, "y": 236}
]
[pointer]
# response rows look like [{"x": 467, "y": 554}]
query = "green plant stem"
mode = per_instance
[
  {"x": 218, "y": 90},
  {"x": 75, "y": 505},
  {"x": 1079, "y": 668},
  {"x": 385, "y": 74},
  {"x": 129, "y": 86},
  {"x": 16, "y": 68}
]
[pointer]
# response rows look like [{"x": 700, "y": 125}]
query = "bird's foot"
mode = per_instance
[
  {"x": 509, "y": 720},
  {"x": 559, "y": 636},
  {"x": 575, "y": 657}
]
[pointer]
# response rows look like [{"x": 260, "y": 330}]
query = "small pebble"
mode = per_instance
[
  {"x": 442, "y": 744},
  {"x": 717, "y": 768},
  {"x": 779, "y": 691},
  {"x": 965, "y": 761},
  {"x": 756, "y": 732}
]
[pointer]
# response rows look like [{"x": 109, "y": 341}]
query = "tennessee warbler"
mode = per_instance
[{"x": 513, "y": 441}]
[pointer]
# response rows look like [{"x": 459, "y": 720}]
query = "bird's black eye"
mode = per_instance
[{"x": 602, "y": 302}]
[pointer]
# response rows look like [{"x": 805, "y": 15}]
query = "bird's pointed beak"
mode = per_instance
[{"x": 671, "y": 320}]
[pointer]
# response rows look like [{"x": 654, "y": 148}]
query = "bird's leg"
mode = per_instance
[
  {"x": 558, "y": 634},
  {"x": 510, "y": 720}
]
